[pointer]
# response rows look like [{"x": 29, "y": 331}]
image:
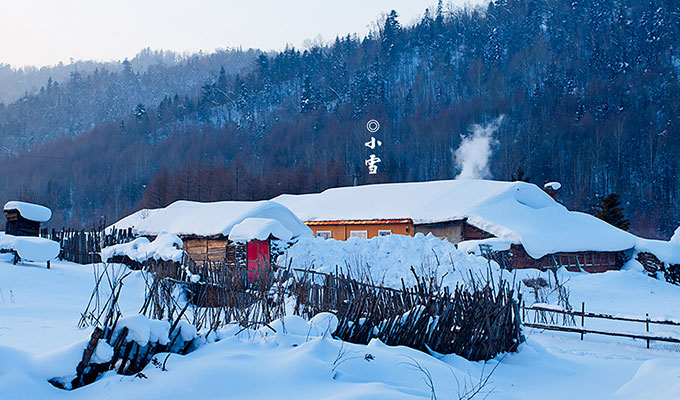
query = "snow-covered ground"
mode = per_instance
[{"x": 39, "y": 339}]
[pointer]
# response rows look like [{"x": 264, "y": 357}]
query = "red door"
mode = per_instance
[{"x": 258, "y": 258}]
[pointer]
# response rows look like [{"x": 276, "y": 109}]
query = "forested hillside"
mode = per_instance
[
  {"x": 588, "y": 90},
  {"x": 82, "y": 94}
]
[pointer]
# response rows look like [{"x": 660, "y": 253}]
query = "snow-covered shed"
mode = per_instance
[
  {"x": 23, "y": 219},
  {"x": 539, "y": 231},
  {"x": 215, "y": 232}
]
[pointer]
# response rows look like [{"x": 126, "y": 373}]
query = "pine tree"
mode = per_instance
[
  {"x": 519, "y": 175},
  {"x": 127, "y": 68},
  {"x": 608, "y": 209},
  {"x": 307, "y": 102},
  {"x": 140, "y": 111},
  {"x": 221, "y": 87},
  {"x": 390, "y": 33}
]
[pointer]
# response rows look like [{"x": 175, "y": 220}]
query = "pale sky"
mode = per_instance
[{"x": 44, "y": 32}]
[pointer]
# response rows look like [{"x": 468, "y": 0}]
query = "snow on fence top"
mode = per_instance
[
  {"x": 220, "y": 218},
  {"x": 166, "y": 246},
  {"x": 516, "y": 211},
  {"x": 33, "y": 212}
]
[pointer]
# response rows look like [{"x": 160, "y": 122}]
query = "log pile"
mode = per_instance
[
  {"x": 128, "y": 357},
  {"x": 654, "y": 266}
]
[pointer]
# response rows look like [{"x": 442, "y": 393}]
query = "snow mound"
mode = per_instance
[
  {"x": 388, "y": 259},
  {"x": 144, "y": 330},
  {"x": 323, "y": 323},
  {"x": 553, "y": 185},
  {"x": 260, "y": 229},
  {"x": 166, "y": 246},
  {"x": 33, "y": 212},
  {"x": 30, "y": 248},
  {"x": 655, "y": 379}
]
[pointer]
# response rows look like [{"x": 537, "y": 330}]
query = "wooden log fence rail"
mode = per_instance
[{"x": 543, "y": 318}]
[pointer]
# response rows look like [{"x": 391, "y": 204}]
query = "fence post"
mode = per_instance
[
  {"x": 583, "y": 316},
  {"x": 647, "y": 326}
]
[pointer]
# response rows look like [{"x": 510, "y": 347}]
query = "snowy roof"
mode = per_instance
[
  {"x": 668, "y": 252},
  {"x": 33, "y": 212},
  {"x": 676, "y": 236},
  {"x": 517, "y": 211},
  {"x": 132, "y": 220},
  {"x": 553, "y": 185},
  {"x": 260, "y": 229},
  {"x": 219, "y": 218}
]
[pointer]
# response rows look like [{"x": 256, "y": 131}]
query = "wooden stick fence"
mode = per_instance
[
  {"x": 83, "y": 247},
  {"x": 538, "y": 310},
  {"x": 477, "y": 321}
]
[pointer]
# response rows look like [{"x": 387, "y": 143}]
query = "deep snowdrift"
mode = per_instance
[
  {"x": 30, "y": 248},
  {"x": 389, "y": 259}
]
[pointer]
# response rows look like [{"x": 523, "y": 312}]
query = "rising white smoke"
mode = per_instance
[{"x": 472, "y": 156}]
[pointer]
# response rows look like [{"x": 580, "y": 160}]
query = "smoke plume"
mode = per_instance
[{"x": 472, "y": 156}]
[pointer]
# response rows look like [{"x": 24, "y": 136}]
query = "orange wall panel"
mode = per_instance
[{"x": 342, "y": 231}]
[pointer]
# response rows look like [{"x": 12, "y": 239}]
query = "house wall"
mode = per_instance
[
  {"x": 590, "y": 261},
  {"x": 343, "y": 229},
  {"x": 202, "y": 250},
  {"x": 452, "y": 231},
  {"x": 206, "y": 250},
  {"x": 19, "y": 226},
  {"x": 473, "y": 233}
]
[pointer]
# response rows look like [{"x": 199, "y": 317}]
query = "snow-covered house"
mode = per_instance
[
  {"x": 214, "y": 232},
  {"x": 523, "y": 220},
  {"x": 22, "y": 231},
  {"x": 23, "y": 219}
]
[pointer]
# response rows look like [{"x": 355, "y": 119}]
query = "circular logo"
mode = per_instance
[{"x": 373, "y": 126}]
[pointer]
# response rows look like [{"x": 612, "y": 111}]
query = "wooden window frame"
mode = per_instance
[
  {"x": 363, "y": 232},
  {"x": 324, "y": 234}
]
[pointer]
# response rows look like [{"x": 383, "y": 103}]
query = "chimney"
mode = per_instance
[{"x": 551, "y": 188}]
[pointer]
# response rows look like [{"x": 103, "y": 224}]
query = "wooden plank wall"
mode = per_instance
[
  {"x": 590, "y": 261},
  {"x": 206, "y": 250}
]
